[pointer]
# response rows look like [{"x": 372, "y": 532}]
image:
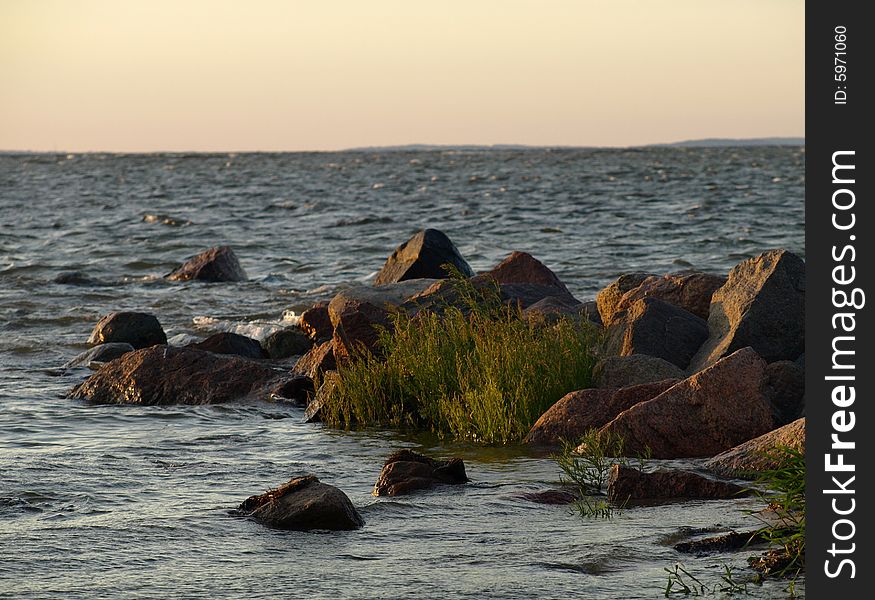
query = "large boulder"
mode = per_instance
[
  {"x": 302, "y": 504},
  {"x": 231, "y": 343},
  {"x": 216, "y": 264},
  {"x": 140, "y": 330},
  {"x": 100, "y": 354},
  {"x": 756, "y": 455},
  {"x": 319, "y": 359},
  {"x": 785, "y": 389},
  {"x": 627, "y": 483},
  {"x": 521, "y": 267},
  {"x": 762, "y": 305},
  {"x": 287, "y": 342},
  {"x": 316, "y": 323},
  {"x": 423, "y": 256},
  {"x": 169, "y": 375},
  {"x": 703, "y": 415},
  {"x": 608, "y": 299},
  {"x": 406, "y": 471},
  {"x": 690, "y": 291},
  {"x": 635, "y": 369},
  {"x": 656, "y": 328},
  {"x": 577, "y": 412}
]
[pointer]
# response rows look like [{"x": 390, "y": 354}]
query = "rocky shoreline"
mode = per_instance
[{"x": 692, "y": 365}]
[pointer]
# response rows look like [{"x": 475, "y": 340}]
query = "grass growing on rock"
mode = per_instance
[{"x": 478, "y": 370}]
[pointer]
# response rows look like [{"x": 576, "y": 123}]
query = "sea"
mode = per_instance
[{"x": 137, "y": 502}]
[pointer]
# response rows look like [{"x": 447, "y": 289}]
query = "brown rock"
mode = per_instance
[
  {"x": 635, "y": 369},
  {"x": 521, "y": 267},
  {"x": 216, "y": 264},
  {"x": 710, "y": 412},
  {"x": 302, "y": 504},
  {"x": 423, "y": 256},
  {"x": 140, "y": 330},
  {"x": 580, "y": 411},
  {"x": 286, "y": 342},
  {"x": 406, "y": 471},
  {"x": 313, "y": 413},
  {"x": 762, "y": 305},
  {"x": 231, "y": 343},
  {"x": 557, "y": 497},
  {"x": 689, "y": 291},
  {"x": 656, "y": 328},
  {"x": 726, "y": 542},
  {"x": 608, "y": 300},
  {"x": 316, "y": 323},
  {"x": 168, "y": 375},
  {"x": 753, "y": 456},
  {"x": 785, "y": 388},
  {"x": 627, "y": 483},
  {"x": 319, "y": 359}
]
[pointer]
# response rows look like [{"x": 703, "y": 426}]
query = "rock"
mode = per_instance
[
  {"x": 762, "y": 305},
  {"x": 316, "y": 323},
  {"x": 166, "y": 220},
  {"x": 554, "y": 306},
  {"x": 556, "y": 497},
  {"x": 298, "y": 389},
  {"x": 656, "y": 328},
  {"x": 100, "y": 354},
  {"x": 302, "y": 504},
  {"x": 231, "y": 343},
  {"x": 726, "y": 542},
  {"x": 524, "y": 295},
  {"x": 635, "y": 369},
  {"x": 216, "y": 264},
  {"x": 423, "y": 256},
  {"x": 521, "y": 267},
  {"x": 406, "y": 471},
  {"x": 76, "y": 278},
  {"x": 627, "y": 483},
  {"x": 140, "y": 330},
  {"x": 168, "y": 375},
  {"x": 785, "y": 389},
  {"x": 287, "y": 342},
  {"x": 313, "y": 413},
  {"x": 577, "y": 412},
  {"x": 357, "y": 314},
  {"x": 590, "y": 310},
  {"x": 746, "y": 459},
  {"x": 319, "y": 359},
  {"x": 609, "y": 298},
  {"x": 689, "y": 291},
  {"x": 703, "y": 415}
]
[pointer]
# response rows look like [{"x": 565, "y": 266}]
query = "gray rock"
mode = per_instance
[
  {"x": 140, "y": 330},
  {"x": 635, "y": 369},
  {"x": 785, "y": 388},
  {"x": 231, "y": 343},
  {"x": 213, "y": 265},
  {"x": 100, "y": 354},
  {"x": 423, "y": 256},
  {"x": 287, "y": 342}
]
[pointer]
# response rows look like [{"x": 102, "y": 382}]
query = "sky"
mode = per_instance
[{"x": 271, "y": 75}]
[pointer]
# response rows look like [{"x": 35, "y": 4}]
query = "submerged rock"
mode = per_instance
[
  {"x": 753, "y": 456},
  {"x": 762, "y": 305},
  {"x": 423, "y": 256},
  {"x": 168, "y": 375},
  {"x": 287, "y": 342},
  {"x": 216, "y": 264},
  {"x": 556, "y": 497},
  {"x": 726, "y": 542},
  {"x": 140, "y": 330},
  {"x": 710, "y": 412},
  {"x": 627, "y": 483},
  {"x": 100, "y": 354},
  {"x": 231, "y": 343},
  {"x": 302, "y": 504},
  {"x": 406, "y": 471},
  {"x": 577, "y": 412},
  {"x": 635, "y": 369}
]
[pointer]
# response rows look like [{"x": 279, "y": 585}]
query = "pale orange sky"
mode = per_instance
[{"x": 222, "y": 75}]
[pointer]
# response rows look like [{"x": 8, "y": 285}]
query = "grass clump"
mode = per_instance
[{"x": 476, "y": 370}]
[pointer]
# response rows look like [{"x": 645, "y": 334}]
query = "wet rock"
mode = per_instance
[
  {"x": 168, "y": 375},
  {"x": 298, "y": 389},
  {"x": 753, "y": 456},
  {"x": 626, "y": 483},
  {"x": 635, "y": 369},
  {"x": 231, "y": 343},
  {"x": 165, "y": 220},
  {"x": 580, "y": 411},
  {"x": 727, "y": 542},
  {"x": 689, "y": 291},
  {"x": 703, "y": 415},
  {"x": 316, "y": 323},
  {"x": 216, "y": 264},
  {"x": 554, "y": 497},
  {"x": 777, "y": 562},
  {"x": 313, "y": 413},
  {"x": 140, "y": 330},
  {"x": 785, "y": 388},
  {"x": 100, "y": 354},
  {"x": 406, "y": 471},
  {"x": 319, "y": 359},
  {"x": 608, "y": 299},
  {"x": 76, "y": 278},
  {"x": 287, "y": 342},
  {"x": 302, "y": 504},
  {"x": 656, "y": 328},
  {"x": 423, "y": 256},
  {"x": 762, "y": 305}
]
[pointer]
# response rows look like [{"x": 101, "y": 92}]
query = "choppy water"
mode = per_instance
[{"x": 133, "y": 501}]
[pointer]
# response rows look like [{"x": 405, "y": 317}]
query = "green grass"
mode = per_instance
[{"x": 477, "y": 370}]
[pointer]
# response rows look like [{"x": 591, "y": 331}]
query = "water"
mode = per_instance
[{"x": 134, "y": 502}]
